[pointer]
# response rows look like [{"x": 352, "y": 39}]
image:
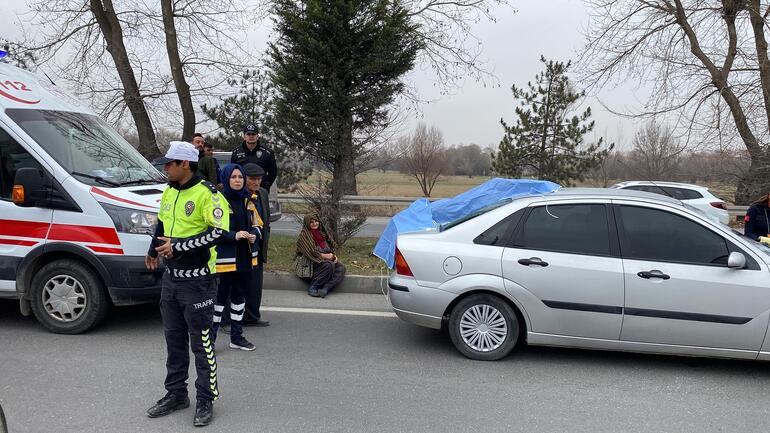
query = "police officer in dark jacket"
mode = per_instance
[
  {"x": 253, "y": 151},
  {"x": 757, "y": 223},
  {"x": 258, "y": 198}
]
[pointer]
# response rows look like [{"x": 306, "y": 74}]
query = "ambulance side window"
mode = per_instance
[{"x": 12, "y": 158}]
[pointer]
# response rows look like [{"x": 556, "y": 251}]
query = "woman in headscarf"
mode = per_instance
[
  {"x": 317, "y": 247},
  {"x": 236, "y": 255}
]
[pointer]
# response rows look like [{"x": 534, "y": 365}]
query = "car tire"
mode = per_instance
[
  {"x": 68, "y": 297},
  {"x": 484, "y": 327}
]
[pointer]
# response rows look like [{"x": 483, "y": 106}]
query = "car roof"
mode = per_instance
[
  {"x": 661, "y": 183},
  {"x": 611, "y": 193}
]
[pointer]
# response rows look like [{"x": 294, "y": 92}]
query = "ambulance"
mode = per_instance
[{"x": 77, "y": 204}]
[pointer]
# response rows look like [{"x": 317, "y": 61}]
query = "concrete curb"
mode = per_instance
[{"x": 280, "y": 280}]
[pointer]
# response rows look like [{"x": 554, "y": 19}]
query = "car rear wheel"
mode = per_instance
[
  {"x": 484, "y": 327},
  {"x": 68, "y": 297}
]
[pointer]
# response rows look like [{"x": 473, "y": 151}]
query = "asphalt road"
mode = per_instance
[
  {"x": 290, "y": 224},
  {"x": 316, "y": 372}
]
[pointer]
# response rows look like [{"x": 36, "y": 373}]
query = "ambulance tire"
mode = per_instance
[{"x": 68, "y": 297}]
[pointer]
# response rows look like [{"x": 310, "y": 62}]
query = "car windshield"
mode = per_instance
[
  {"x": 86, "y": 147},
  {"x": 449, "y": 224}
]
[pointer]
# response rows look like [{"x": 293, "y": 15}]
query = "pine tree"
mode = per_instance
[
  {"x": 337, "y": 67},
  {"x": 545, "y": 142},
  {"x": 252, "y": 103}
]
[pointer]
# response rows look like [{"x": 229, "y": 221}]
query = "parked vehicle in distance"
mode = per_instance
[
  {"x": 608, "y": 269},
  {"x": 224, "y": 158},
  {"x": 697, "y": 196}
]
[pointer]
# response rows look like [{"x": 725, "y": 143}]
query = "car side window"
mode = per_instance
[
  {"x": 657, "y": 235},
  {"x": 568, "y": 228},
  {"x": 12, "y": 158},
  {"x": 497, "y": 235},
  {"x": 683, "y": 194}
]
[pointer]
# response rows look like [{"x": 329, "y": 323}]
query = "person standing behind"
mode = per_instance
[
  {"x": 207, "y": 166},
  {"x": 190, "y": 223},
  {"x": 236, "y": 255},
  {"x": 757, "y": 222},
  {"x": 252, "y": 150},
  {"x": 258, "y": 200},
  {"x": 208, "y": 149}
]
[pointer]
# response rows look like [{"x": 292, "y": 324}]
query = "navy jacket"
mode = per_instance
[
  {"x": 756, "y": 221},
  {"x": 239, "y": 255}
]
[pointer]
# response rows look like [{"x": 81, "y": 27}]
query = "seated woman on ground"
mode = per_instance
[{"x": 316, "y": 259}]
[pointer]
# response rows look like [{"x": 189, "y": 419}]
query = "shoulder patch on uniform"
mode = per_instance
[{"x": 210, "y": 186}]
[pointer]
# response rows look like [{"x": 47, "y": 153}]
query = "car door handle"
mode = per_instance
[
  {"x": 533, "y": 261},
  {"x": 653, "y": 274}
]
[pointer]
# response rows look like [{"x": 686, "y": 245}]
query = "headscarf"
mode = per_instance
[
  {"x": 306, "y": 242},
  {"x": 228, "y": 192}
]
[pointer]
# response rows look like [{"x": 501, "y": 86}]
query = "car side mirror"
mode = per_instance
[
  {"x": 736, "y": 260},
  {"x": 28, "y": 189}
]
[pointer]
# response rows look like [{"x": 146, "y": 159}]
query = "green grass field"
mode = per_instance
[{"x": 394, "y": 184}]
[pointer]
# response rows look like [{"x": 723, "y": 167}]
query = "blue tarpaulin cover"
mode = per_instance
[{"x": 424, "y": 215}]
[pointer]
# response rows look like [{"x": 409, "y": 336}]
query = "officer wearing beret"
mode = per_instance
[
  {"x": 258, "y": 200},
  {"x": 253, "y": 151}
]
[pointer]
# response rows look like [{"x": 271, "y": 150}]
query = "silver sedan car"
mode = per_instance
[{"x": 590, "y": 268}]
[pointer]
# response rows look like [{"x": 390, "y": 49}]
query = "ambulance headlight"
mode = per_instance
[{"x": 131, "y": 220}]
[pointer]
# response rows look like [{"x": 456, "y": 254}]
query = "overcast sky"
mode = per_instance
[{"x": 511, "y": 46}]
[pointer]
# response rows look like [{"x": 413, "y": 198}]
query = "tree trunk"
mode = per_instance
[
  {"x": 177, "y": 73},
  {"x": 756, "y": 181},
  {"x": 343, "y": 173},
  {"x": 105, "y": 16}
]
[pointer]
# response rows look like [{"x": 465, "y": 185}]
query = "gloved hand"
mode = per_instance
[{"x": 764, "y": 240}]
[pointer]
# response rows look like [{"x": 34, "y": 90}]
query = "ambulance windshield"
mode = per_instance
[{"x": 86, "y": 147}]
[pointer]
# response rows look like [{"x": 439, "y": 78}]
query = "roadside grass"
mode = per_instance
[{"x": 356, "y": 255}]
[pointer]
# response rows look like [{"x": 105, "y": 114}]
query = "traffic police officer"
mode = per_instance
[
  {"x": 191, "y": 220},
  {"x": 253, "y": 151}
]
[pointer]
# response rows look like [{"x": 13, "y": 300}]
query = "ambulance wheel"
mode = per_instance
[{"x": 68, "y": 297}]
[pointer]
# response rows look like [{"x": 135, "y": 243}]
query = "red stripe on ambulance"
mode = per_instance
[
  {"x": 73, "y": 233},
  {"x": 103, "y": 193},
  {"x": 99, "y": 249},
  {"x": 18, "y": 242}
]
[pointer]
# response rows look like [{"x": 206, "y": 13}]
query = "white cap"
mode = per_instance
[{"x": 182, "y": 151}]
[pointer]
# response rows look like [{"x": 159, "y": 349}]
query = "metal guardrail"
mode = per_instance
[
  {"x": 737, "y": 211},
  {"x": 734, "y": 211},
  {"x": 356, "y": 199}
]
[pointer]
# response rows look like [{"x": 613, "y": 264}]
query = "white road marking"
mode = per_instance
[{"x": 329, "y": 311}]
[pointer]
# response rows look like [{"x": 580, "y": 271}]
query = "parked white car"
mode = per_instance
[{"x": 696, "y": 196}]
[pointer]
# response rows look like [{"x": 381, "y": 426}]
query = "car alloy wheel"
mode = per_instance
[{"x": 483, "y": 328}]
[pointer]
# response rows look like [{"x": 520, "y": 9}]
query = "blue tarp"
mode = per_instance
[{"x": 424, "y": 215}]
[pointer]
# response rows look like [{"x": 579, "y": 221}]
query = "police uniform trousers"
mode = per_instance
[{"x": 187, "y": 308}]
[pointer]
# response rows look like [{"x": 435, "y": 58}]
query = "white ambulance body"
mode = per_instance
[{"x": 77, "y": 203}]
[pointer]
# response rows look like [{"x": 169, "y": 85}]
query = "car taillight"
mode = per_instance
[
  {"x": 402, "y": 268},
  {"x": 719, "y": 205}
]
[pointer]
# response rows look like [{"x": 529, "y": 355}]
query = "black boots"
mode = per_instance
[
  {"x": 204, "y": 412},
  {"x": 168, "y": 404}
]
